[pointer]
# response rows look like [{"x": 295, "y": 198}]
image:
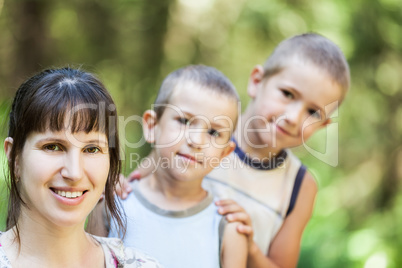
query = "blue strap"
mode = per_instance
[
  {"x": 296, "y": 188},
  {"x": 270, "y": 163}
]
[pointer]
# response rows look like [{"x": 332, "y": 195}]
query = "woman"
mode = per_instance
[{"x": 63, "y": 152}]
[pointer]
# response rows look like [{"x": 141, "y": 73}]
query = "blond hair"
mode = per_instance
[{"x": 315, "y": 49}]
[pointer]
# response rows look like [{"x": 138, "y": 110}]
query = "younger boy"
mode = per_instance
[
  {"x": 169, "y": 214},
  {"x": 292, "y": 96}
]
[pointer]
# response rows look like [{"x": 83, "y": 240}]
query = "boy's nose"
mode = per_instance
[
  {"x": 195, "y": 138},
  {"x": 72, "y": 166},
  {"x": 294, "y": 114}
]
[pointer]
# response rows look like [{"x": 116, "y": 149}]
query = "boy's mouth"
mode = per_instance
[
  {"x": 189, "y": 157},
  {"x": 284, "y": 131}
]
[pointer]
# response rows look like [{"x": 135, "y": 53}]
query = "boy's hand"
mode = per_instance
[
  {"x": 135, "y": 175},
  {"x": 235, "y": 213},
  {"x": 123, "y": 188}
]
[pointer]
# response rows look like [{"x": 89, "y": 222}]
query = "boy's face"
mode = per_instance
[
  {"x": 193, "y": 133},
  {"x": 288, "y": 107}
]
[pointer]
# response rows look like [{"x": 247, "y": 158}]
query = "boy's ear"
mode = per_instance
[
  {"x": 326, "y": 122},
  {"x": 256, "y": 76},
  {"x": 149, "y": 121},
  {"x": 230, "y": 148}
]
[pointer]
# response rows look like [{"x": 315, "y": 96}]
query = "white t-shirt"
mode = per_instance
[{"x": 263, "y": 191}]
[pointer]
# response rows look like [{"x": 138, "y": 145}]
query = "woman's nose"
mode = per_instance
[{"x": 72, "y": 166}]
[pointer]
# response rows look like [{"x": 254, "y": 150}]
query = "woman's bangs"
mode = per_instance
[{"x": 74, "y": 108}]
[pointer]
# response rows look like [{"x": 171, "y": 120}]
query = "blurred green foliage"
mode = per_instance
[
  {"x": 4, "y": 108},
  {"x": 133, "y": 44}
]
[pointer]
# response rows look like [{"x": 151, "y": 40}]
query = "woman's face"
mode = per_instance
[{"x": 62, "y": 175}]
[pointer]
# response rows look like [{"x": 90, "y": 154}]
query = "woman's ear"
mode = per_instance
[
  {"x": 256, "y": 76},
  {"x": 149, "y": 120},
  {"x": 8, "y": 145}
]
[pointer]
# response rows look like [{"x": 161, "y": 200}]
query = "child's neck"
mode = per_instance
[
  {"x": 250, "y": 143},
  {"x": 170, "y": 194}
]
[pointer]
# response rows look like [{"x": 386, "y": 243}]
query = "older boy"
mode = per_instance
[
  {"x": 169, "y": 214},
  {"x": 292, "y": 96}
]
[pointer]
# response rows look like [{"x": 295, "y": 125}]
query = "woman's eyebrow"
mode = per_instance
[
  {"x": 101, "y": 142},
  {"x": 50, "y": 139},
  {"x": 62, "y": 141}
]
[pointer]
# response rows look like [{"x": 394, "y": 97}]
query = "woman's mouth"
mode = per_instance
[{"x": 68, "y": 194}]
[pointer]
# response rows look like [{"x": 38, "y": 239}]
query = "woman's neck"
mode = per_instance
[{"x": 46, "y": 246}]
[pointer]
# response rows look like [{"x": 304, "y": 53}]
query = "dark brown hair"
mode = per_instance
[{"x": 45, "y": 102}]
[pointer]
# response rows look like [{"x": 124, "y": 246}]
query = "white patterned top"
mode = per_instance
[{"x": 116, "y": 255}]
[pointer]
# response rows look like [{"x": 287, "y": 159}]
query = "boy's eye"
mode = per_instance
[
  {"x": 213, "y": 133},
  {"x": 315, "y": 113},
  {"x": 184, "y": 121},
  {"x": 92, "y": 150},
  {"x": 52, "y": 147},
  {"x": 288, "y": 94}
]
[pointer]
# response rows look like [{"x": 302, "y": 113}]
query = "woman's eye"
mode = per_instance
[
  {"x": 315, "y": 113},
  {"x": 92, "y": 150},
  {"x": 184, "y": 121},
  {"x": 288, "y": 94},
  {"x": 213, "y": 133},
  {"x": 52, "y": 147}
]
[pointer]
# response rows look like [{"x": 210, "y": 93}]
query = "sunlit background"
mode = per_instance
[{"x": 131, "y": 45}]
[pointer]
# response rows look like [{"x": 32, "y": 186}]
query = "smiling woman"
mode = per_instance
[{"x": 63, "y": 152}]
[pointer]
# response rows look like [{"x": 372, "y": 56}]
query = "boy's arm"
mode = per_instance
[
  {"x": 146, "y": 167},
  {"x": 97, "y": 221},
  {"x": 285, "y": 248},
  {"x": 234, "y": 247},
  {"x": 123, "y": 188}
]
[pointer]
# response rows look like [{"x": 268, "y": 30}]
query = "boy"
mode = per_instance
[
  {"x": 169, "y": 214},
  {"x": 292, "y": 96}
]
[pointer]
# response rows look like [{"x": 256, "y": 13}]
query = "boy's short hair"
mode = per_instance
[
  {"x": 204, "y": 76},
  {"x": 314, "y": 48}
]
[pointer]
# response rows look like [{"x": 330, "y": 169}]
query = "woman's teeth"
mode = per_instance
[{"x": 69, "y": 194}]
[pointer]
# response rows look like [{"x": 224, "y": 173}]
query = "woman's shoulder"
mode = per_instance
[
  {"x": 121, "y": 256},
  {"x": 135, "y": 258},
  {"x": 4, "y": 262}
]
